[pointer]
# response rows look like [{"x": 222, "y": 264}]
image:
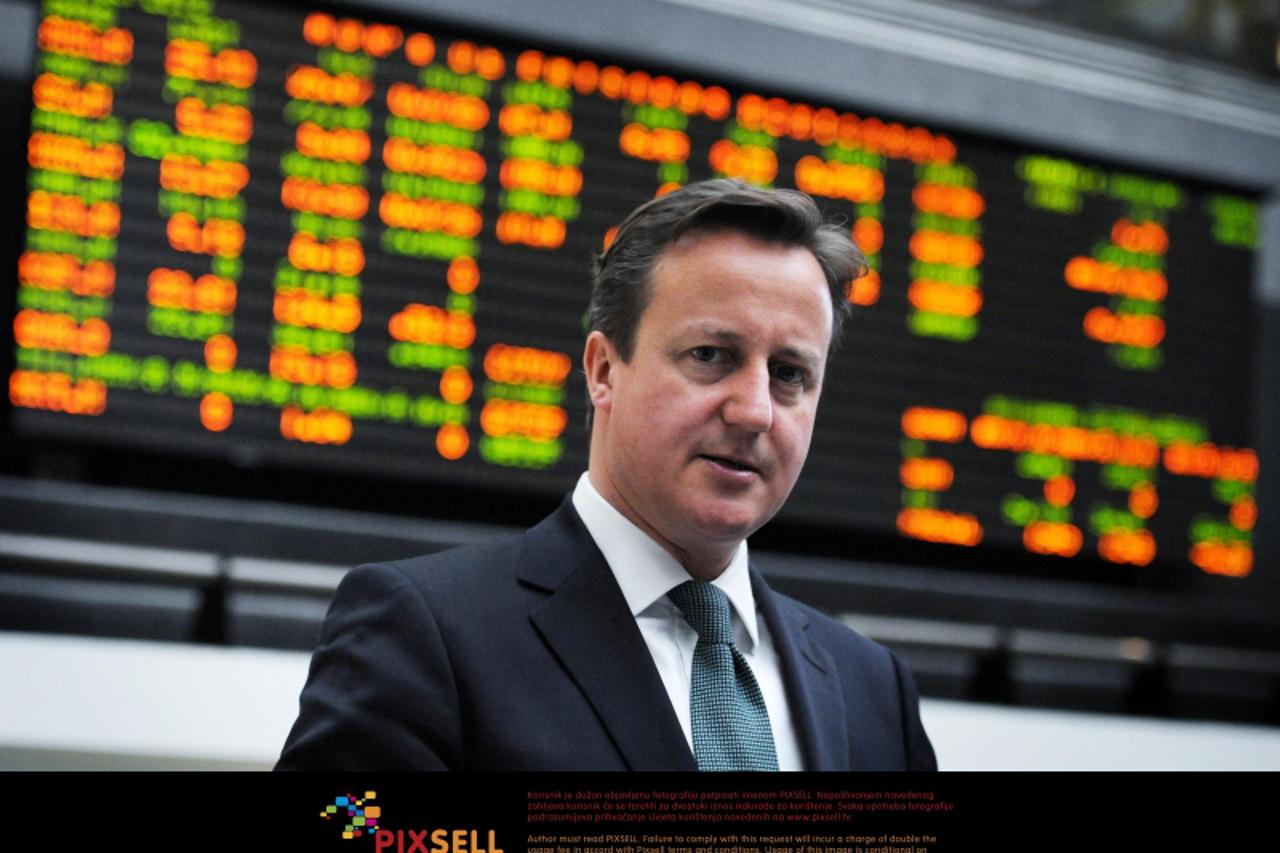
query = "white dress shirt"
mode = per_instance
[{"x": 646, "y": 573}]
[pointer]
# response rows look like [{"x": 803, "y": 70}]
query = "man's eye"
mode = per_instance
[
  {"x": 705, "y": 354},
  {"x": 789, "y": 374}
]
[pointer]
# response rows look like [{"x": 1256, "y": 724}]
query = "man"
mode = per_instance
[{"x": 627, "y": 630}]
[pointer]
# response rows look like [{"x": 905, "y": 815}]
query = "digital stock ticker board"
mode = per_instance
[{"x": 352, "y": 244}]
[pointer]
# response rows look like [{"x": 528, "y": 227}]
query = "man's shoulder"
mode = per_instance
[
  {"x": 451, "y": 576},
  {"x": 489, "y": 557},
  {"x": 484, "y": 568}
]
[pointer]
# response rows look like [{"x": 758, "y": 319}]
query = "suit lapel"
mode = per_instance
[
  {"x": 587, "y": 624},
  {"x": 817, "y": 707}
]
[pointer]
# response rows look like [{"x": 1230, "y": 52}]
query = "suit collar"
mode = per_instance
[
  {"x": 817, "y": 707},
  {"x": 587, "y": 624}
]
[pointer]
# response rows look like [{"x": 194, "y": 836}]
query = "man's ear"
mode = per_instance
[{"x": 598, "y": 359}]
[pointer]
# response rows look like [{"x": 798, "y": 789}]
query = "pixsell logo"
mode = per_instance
[
  {"x": 360, "y": 819},
  {"x": 357, "y": 817}
]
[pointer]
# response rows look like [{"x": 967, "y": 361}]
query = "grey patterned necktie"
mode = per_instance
[{"x": 730, "y": 722}]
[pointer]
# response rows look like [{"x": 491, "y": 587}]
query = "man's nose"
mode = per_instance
[{"x": 750, "y": 401}]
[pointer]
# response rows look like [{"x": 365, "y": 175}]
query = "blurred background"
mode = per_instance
[{"x": 295, "y": 287}]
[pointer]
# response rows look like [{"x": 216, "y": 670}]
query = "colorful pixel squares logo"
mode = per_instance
[{"x": 358, "y": 818}]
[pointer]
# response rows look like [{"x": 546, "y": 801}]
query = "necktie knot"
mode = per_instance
[{"x": 706, "y": 609}]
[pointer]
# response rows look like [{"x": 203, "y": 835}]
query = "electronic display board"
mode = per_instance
[{"x": 359, "y": 244}]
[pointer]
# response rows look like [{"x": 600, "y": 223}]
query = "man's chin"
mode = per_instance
[{"x": 727, "y": 527}]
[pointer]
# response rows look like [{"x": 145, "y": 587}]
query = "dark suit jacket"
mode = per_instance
[{"x": 522, "y": 654}]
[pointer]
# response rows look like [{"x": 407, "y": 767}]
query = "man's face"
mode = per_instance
[{"x": 701, "y": 436}]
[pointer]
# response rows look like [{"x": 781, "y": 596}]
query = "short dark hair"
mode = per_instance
[{"x": 622, "y": 282}]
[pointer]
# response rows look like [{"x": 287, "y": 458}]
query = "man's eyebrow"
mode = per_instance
[
  {"x": 719, "y": 333},
  {"x": 805, "y": 355}
]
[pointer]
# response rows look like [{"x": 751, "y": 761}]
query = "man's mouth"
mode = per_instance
[{"x": 731, "y": 464}]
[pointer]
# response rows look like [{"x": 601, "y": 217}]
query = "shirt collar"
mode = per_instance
[{"x": 644, "y": 570}]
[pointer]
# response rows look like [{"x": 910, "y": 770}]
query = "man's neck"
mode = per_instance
[{"x": 704, "y": 565}]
